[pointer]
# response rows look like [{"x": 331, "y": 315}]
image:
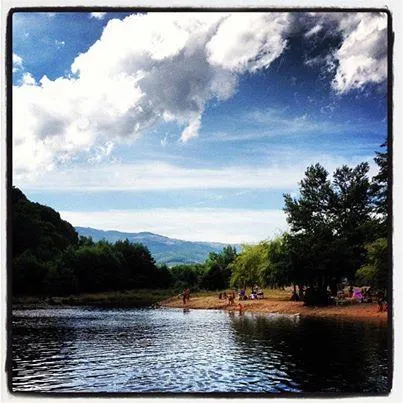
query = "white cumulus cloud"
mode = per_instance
[
  {"x": 17, "y": 62},
  {"x": 143, "y": 70},
  {"x": 156, "y": 67},
  {"x": 362, "y": 57},
  {"x": 98, "y": 15}
]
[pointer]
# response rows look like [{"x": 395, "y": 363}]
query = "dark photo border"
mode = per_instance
[{"x": 9, "y": 184}]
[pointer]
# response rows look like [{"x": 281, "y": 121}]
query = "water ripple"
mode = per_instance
[{"x": 166, "y": 350}]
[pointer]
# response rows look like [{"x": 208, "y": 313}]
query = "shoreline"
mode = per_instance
[
  {"x": 359, "y": 311},
  {"x": 275, "y": 303}
]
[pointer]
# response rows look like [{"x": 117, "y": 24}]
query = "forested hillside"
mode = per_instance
[
  {"x": 165, "y": 250},
  {"x": 49, "y": 258}
]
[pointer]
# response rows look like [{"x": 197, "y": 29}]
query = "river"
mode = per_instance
[{"x": 174, "y": 350}]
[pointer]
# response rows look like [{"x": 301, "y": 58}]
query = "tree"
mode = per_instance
[
  {"x": 248, "y": 264},
  {"x": 218, "y": 269},
  {"x": 328, "y": 225},
  {"x": 376, "y": 270},
  {"x": 380, "y": 183},
  {"x": 138, "y": 264},
  {"x": 187, "y": 275},
  {"x": 275, "y": 270}
]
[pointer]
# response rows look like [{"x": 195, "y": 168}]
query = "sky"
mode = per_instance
[{"x": 191, "y": 125}]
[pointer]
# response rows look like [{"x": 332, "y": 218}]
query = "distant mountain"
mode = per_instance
[{"x": 164, "y": 250}]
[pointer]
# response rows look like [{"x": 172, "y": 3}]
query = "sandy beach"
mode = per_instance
[{"x": 365, "y": 311}]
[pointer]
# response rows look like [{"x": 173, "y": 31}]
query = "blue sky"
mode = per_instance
[{"x": 191, "y": 125}]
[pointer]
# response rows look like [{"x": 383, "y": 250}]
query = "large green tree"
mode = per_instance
[
  {"x": 329, "y": 222},
  {"x": 247, "y": 267},
  {"x": 275, "y": 270},
  {"x": 376, "y": 270},
  {"x": 218, "y": 269}
]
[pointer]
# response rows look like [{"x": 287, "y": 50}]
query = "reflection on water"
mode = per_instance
[{"x": 168, "y": 350}]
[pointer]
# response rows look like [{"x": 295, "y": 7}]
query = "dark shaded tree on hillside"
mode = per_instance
[
  {"x": 138, "y": 263},
  {"x": 97, "y": 268},
  {"x": 39, "y": 239},
  {"x": 38, "y": 228},
  {"x": 50, "y": 259}
]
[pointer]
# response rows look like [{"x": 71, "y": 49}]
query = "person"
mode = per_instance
[
  {"x": 350, "y": 291},
  {"x": 358, "y": 296},
  {"x": 240, "y": 307},
  {"x": 301, "y": 292},
  {"x": 380, "y": 300},
  {"x": 184, "y": 297},
  {"x": 294, "y": 296},
  {"x": 242, "y": 295}
]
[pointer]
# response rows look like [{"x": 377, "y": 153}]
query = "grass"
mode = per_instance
[{"x": 126, "y": 298}]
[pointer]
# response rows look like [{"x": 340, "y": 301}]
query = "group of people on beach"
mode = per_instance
[
  {"x": 353, "y": 294},
  {"x": 230, "y": 297},
  {"x": 255, "y": 294}
]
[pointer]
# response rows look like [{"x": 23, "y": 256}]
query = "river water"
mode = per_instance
[{"x": 173, "y": 350}]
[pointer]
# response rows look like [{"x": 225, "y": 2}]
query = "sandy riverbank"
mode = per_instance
[{"x": 356, "y": 311}]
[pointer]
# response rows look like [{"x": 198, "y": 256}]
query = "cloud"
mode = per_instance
[
  {"x": 17, "y": 63},
  {"x": 59, "y": 44},
  {"x": 122, "y": 85},
  {"x": 201, "y": 224},
  {"x": 161, "y": 176},
  {"x": 248, "y": 45},
  {"x": 98, "y": 15},
  {"x": 362, "y": 57},
  {"x": 28, "y": 79},
  {"x": 313, "y": 31},
  {"x": 166, "y": 67},
  {"x": 101, "y": 152},
  {"x": 156, "y": 175}
]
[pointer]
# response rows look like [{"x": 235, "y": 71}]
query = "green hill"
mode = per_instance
[{"x": 165, "y": 250}]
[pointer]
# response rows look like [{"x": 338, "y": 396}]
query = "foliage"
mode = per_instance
[
  {"x": 328, "y": 225},
  {"x": 380, "y": 184},
  {"x": 218, "y": 269},
  {"x": 50, "y": 259},
  {"x": 338, "y": 229},
  {"x": 247, "y": 266},
  {"x": 39, "y": 229},
  {"x": 187, "y": 275},
  {"x": 376, "y": 270},
  {"x": 275, "y": 270}
]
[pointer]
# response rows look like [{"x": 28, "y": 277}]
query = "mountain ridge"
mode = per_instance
[{"x": 165, "y": 250}]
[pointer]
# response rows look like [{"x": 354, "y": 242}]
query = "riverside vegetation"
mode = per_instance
[{"x": 338, "y": 232}]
